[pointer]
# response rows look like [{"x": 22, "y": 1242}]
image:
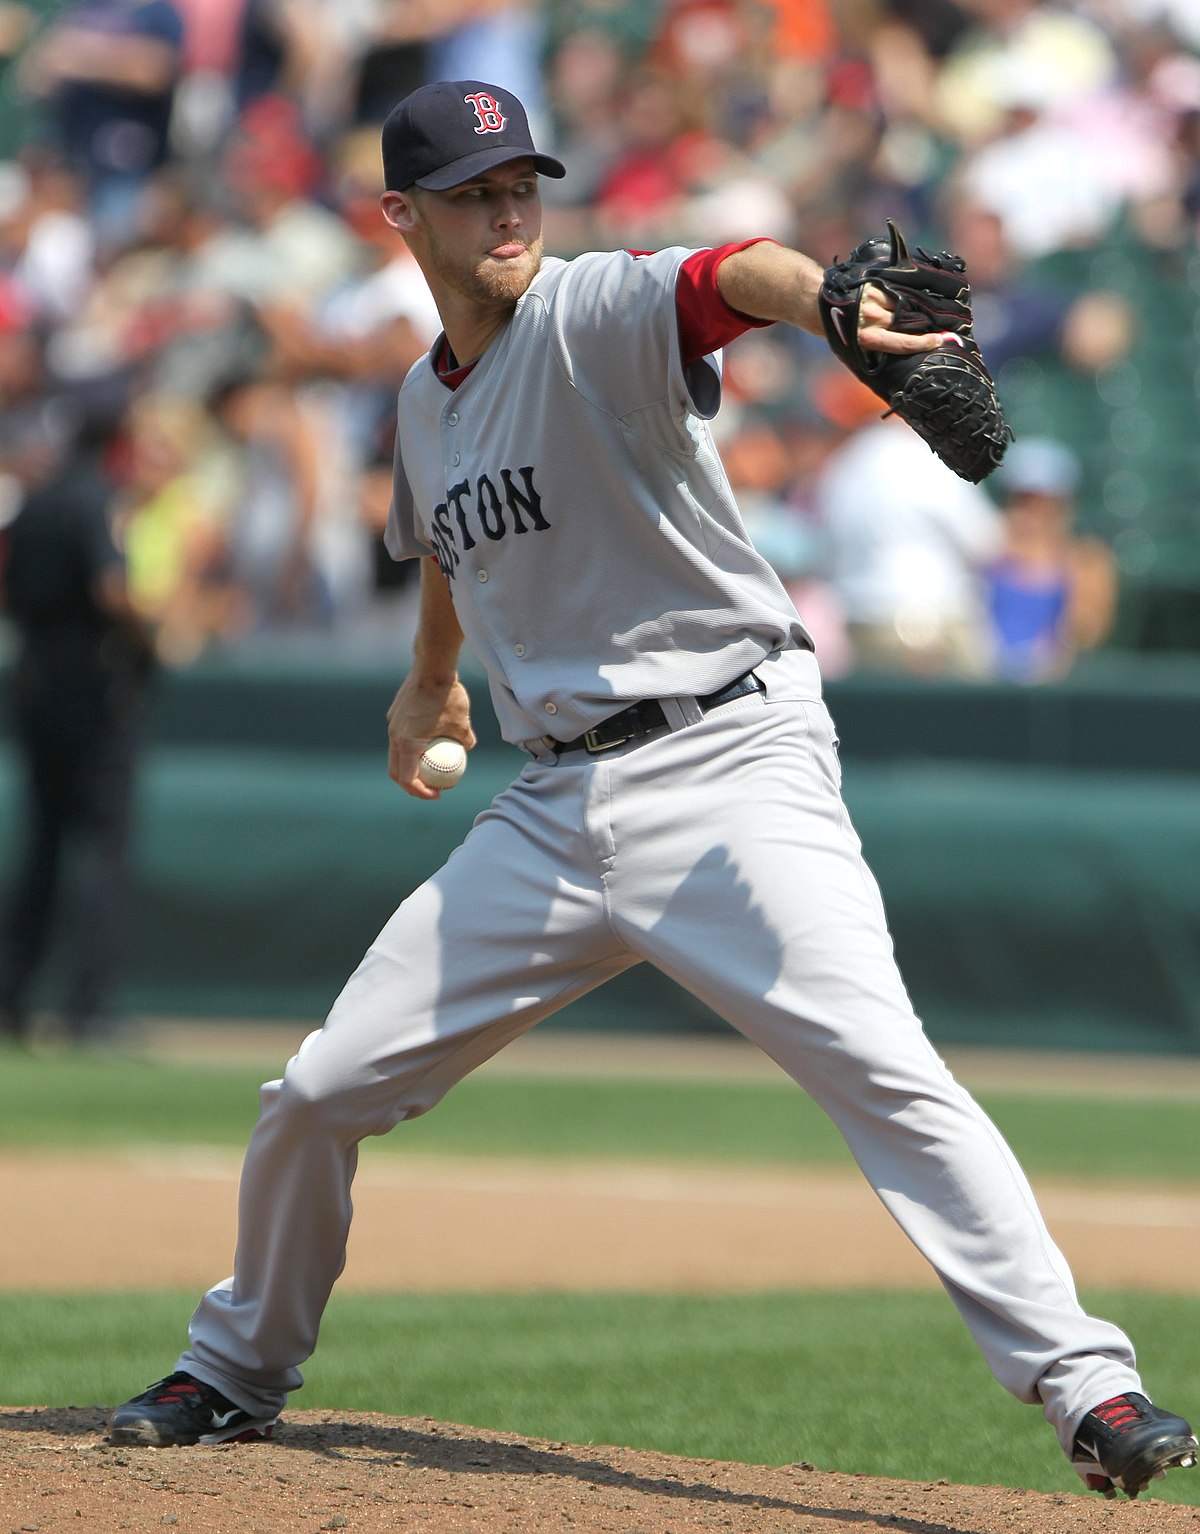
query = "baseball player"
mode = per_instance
[{"x": 680, "y": 803}]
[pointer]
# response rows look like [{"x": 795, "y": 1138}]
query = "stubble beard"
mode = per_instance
[{"x": 489, "y": 281}]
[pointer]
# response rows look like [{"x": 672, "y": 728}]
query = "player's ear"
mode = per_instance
[{"x": 400, "y": 210}]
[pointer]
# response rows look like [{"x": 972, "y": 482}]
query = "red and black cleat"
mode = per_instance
[
  {"x": 1129, "y": 1442},
  {"x": 184, "y": 1410}
]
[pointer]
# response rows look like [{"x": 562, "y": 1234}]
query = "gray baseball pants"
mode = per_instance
[{"x": 721, "y": 853}]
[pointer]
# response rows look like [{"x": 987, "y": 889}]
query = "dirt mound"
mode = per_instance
[{"x": 366, "y": 1473}]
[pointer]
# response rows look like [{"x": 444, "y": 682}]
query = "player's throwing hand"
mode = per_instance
[{"x": 420, "y": 711}]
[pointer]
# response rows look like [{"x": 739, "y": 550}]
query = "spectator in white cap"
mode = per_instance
[{"x": 1051, "y": 593}]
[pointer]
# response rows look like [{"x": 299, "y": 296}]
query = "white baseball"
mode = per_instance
[{"x": 443, "y": 762}]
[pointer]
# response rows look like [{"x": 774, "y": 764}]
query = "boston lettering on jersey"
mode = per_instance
[{"x": 482, "y": 510}]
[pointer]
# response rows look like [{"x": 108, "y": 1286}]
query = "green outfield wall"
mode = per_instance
[{"x": 1038, "y": 850}]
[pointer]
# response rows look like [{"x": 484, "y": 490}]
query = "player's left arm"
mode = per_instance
[{"x": 770, "y": 282}]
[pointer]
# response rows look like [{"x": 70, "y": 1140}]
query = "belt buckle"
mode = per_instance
[{"x": 594, "y": 747}]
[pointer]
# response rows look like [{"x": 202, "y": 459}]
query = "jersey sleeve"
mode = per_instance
[
  {"x": 706, "y": 322},
  {"x": 401, "y": 538},
  {"x": 614, "y": 332}
]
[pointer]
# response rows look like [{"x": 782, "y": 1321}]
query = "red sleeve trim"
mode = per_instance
[{"x": 706, "y": 322}]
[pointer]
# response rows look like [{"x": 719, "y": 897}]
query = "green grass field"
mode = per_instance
[
  {"x": 69, "y": 1102},
  {"x": 886, "y": 1383}
]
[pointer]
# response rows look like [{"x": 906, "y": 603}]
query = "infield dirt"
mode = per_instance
[{"x": 366, "y": 1474}]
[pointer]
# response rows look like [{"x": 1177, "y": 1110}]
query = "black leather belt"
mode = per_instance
[{"x": 646, "y": 717}]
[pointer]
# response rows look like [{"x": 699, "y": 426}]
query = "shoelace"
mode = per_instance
[
  {"x": 1118, "y": 1415},
  {"x": 194, "y": 1393},
  {"x": 180, "y": 1390}
]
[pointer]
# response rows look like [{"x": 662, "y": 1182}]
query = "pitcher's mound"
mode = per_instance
[{"x": 368, "y": 1474}]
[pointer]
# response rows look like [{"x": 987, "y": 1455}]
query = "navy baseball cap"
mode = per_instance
[{"x": 453, "y": 130}]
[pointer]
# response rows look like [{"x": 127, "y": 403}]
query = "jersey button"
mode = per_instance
[
  {"x": 457, "y": 459},
  {"x": 452, "y": 418},
  {"x": 481, "y": 575},
  {"x": 552, "y": 708},
  {"x": 518, "y": 649}
]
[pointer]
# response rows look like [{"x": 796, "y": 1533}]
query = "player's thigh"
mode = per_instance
[
  {"x": 511, "y": 928},
  {"x": 758, "y": 899}
]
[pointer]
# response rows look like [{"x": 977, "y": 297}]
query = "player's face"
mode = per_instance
[{"x": 484, "y": 238}]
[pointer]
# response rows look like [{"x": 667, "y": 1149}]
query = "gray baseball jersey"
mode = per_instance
[
  {"x": 573, "y": 495},
  {"x": 571, "y": 492}
]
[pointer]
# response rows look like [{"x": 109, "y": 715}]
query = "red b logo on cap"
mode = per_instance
[{"x": 487, "y": 110}]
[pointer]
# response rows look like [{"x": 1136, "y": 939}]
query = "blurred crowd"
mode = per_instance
[{"x": 190, "y": 236}]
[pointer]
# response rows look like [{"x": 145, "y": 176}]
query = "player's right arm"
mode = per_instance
[{"x": 431, "y": 701}]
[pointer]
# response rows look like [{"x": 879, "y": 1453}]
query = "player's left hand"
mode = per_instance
[
  {"x": 419, "y": 711},
  {"x": 875, "y": 315},
  {"x": 901, "y": 322}
]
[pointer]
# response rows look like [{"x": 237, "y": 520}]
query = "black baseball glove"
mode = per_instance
[{"x": 946, "y": 395}]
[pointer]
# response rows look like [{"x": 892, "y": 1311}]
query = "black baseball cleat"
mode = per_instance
[
  {"x": 181, "y": 1410},
  {"x": 1128, "y": 1442}
]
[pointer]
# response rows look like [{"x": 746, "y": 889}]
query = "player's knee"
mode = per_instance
[{"x": 312, "y": 1102}]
